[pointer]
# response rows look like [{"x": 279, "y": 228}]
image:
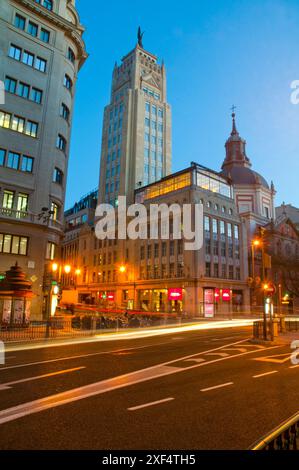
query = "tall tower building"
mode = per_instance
[
  {"x": 41, "y": 53},
  {"x": 136, "y": 140}
]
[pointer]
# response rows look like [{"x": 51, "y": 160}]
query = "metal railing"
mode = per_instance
[
  {"x": 77, "y": 326},
  {"x": 285, "y": 437},
  {"x": 282, "y": 324}
]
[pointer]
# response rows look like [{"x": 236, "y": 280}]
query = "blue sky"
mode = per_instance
[{"x": 216, "y": 53}]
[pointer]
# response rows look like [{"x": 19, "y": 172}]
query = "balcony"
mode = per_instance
[{"x": 29, "y": 217}]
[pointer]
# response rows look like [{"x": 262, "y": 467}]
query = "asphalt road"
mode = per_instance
[{"x": 194, "y": 390}]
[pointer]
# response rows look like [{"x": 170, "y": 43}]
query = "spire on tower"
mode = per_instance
[{"x": 234, "y": 129}]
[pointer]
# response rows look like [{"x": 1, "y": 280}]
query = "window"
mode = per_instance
[
  {"x": 40, "y": 64},
  {"x": 36, "y": 95},
  {"x": 44, "y": 35},
  {"x": 207, "y": 223},
  {"x": 68, "y": 82},
  {"x": 10, "y": 85},
  {"x": 231, "y": 272},
  {"x": 208, "y": 270},
  {"x": 20, "y": 22},
  {"x": 5, "y": 120},
  {"x": 215, "y": 226},
  {"x": 28, "y": 58},
  {"x": 8, "y": 199},
  {"x": 31, "y": 128},
  {"x": 18, "y": 124},
  {"x": 57, "y": 176},
  {"x": 71, "y": 55},
  {"x": 23, "y": 90},
  {"x": 222, "y": 227},
  {"x": 48, "y": 4},
  {"x": 54, "y": 211},
  {"x": 13, "y": 160},
  {"x": 147, "y": 107},
  {"x": 160, "y": 113},
  {"x": 32, "y": 29},
  {"x": 22, "y": 204},
  {"x": 12, "y": 244},
  {"x": 51, "y": 251},
  {"x": 27, "y": 164},
  {"x": 236, "y": 232},
  {"x": 64, "y": 111},
  {"x": 61, "y": 143},
  {"x": 15, "y": 52},
  {"x": 2, "y": 157}
]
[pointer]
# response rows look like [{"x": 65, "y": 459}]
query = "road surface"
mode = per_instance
[{"x": 199, "y": 390}]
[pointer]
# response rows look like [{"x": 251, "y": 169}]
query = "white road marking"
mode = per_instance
[
  {"x": 217, "y": 386},
  {"x": 235, "y": 349},
  {"x": 104, "y": 386},
  {"x": 69, "y": 358},
  {"x": 195, "y": 360},
  {"x": 266, "y": 373},
  {"x": 8, "y": 385},
  {"x": 153, "y": 403},
  {"x": 294, "y": 367},
  {"x": 217, "y": 354}
]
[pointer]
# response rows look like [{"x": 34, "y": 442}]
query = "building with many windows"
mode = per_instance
[
  {"x": 159, "y": 274},
  {"x": 42, "y": 51},
  {"x": 136, "y": 137}
]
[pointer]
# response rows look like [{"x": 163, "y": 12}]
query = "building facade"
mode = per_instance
[
  {"x": 159, "y": 275},
  {"x": 42, "y": 51},
  {"x": 136, "y": 136}
]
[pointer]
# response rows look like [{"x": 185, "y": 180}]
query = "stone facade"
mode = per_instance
[
  {"x": 42, "y": 51},
  {"x": 136, "y": 137}
]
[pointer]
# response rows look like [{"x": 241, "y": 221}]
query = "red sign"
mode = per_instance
[
  {"x": 111, "y": 296},
  {"x": 270, "y": 288},
  {"x": 175, "y": 294},
  {"x": 217, "y": 295},
  {"x": 226, "y": 296}
]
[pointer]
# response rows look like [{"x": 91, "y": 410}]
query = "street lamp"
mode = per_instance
[
  {"x": 122, "y": 269},
  {"x": 255, "y": 244}
]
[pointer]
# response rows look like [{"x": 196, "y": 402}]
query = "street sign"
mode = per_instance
[{"x": 270, "y": 289}]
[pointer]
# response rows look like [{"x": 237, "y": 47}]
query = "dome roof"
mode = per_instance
[
  {"x": 244, "y": 175},
  {"x": 237, "y": 165}
]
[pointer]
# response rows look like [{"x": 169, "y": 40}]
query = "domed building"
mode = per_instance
[{"x": 254, "y": 197}]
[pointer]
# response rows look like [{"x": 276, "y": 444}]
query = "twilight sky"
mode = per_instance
[{"x": 217, "y": 53}]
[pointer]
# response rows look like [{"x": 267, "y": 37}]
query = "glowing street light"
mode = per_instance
[
  {"x": 122, "y": 269},
  {"x": 67, "y": 269},
  {"x": 55, "y": 267}
]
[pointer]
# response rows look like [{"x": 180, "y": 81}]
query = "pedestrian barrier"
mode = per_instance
[{"x": 285, "y": 437}]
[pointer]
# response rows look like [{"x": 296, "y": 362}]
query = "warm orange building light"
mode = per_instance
[
  {"x": 54, "y": 267},
  {"x": 122, "y": 269},
  {"x": 256, "y": 242},
  {"x": 67, "y": 269},
  {"x": 78, "y": 272}
]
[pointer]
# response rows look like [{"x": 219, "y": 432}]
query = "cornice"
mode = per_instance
[{"x": 74, "y": 32}]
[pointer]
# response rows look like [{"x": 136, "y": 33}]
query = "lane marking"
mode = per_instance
[
  {"x": 235, "y": 349},
  {"x": 266, "y": 373},
  {"x": 153, "y": 403},
  {"x": 294, "y": 367},
  {"x": 69, "y": 358},
  {"x": 8, "y": 385},
  {"x": 217, "y": 354},
  {"x": 217, "y": 386},
  {"x": 104, "y": 386},
  {"x": 274, "y": 358}
]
